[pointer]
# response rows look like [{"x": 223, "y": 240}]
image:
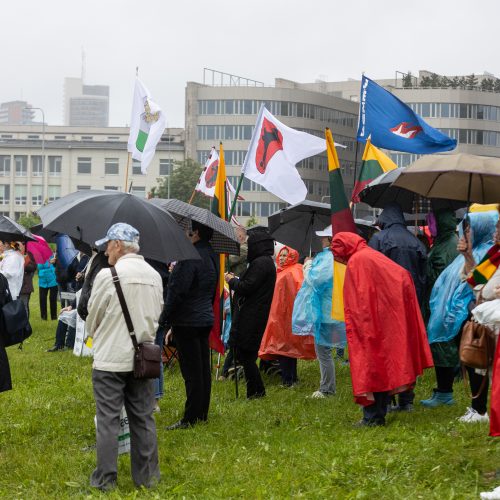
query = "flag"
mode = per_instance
[
  {"x": 147, "y": 125},
  {"x": 342, "y": 220},
  {"x": 373, "y": 164},
  {"x": 208, "y": 178},
  {"x": 394, "y": 125},
  {"x": 274, "y": 151},
  {"x": 219, "y": 208}
]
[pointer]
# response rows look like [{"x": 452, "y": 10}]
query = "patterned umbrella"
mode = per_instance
[{"x": 224, "y": 238}]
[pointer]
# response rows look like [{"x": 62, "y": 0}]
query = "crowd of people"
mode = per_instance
[{"x": 404, "y": 306}]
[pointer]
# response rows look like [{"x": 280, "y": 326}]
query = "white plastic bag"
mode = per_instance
[{"x": 488, "y": 313}]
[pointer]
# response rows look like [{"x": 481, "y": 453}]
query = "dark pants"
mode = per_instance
[
  {"x": 445, "y": 376},
  {"x": 25, "y": 298},
  {"x": 65, "y": 335},
  {"x": 480, "y": 404},
  {"x": 52, "y": 300},
  {"x": 5, "y": 380},
  {"x": 375, "y": 413},
  {"x": 255, "y": 386},
  {"x": 288, "y": 370},
  {"x": 194, "y": 360},
  {"x": 228, "y": 362},
  {"x": 112, "y": 390},
  {"x": 406, "y": 398}
]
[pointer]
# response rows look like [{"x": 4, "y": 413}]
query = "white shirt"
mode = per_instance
[{"x": 12, "y": 267}]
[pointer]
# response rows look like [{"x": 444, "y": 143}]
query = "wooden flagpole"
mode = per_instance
[{"x": 126, "y": 170}]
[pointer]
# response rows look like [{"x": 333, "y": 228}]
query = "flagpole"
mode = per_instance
[
  {"x": 126, "y": 171},
  {"x": 192, "y": 196},
  {"x": 233, "y": 205},
  {"x": 353, "y": 206}
]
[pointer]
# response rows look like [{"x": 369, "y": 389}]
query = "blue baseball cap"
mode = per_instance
[{"x": 119, "y": 231}]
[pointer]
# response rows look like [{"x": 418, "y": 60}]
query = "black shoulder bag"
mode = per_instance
[
  {"x": 16, "y": 325},
  {"x": 147, "y": 356}
]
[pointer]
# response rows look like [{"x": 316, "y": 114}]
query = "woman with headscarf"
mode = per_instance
[
  {"x": 449, "y": 305},
  {"x": 278, "y": 341},
  {"x": 388, "y": 347},
  {"x": 12, "y": 267}
]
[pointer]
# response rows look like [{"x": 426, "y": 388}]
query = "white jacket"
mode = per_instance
[
  {"x": 143, "y": 291},
  {"x": 12, "y": 267}
]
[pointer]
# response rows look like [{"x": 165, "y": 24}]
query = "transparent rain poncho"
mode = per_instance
[
  {"x": 313, "y": 304},
  {"x": 450, "y": 296}
]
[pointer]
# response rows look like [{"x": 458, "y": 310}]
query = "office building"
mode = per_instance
[
  {"x": 85, "y": 105},
  {"x": 16, "y": 113}
]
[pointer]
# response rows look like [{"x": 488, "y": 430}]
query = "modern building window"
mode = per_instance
[
  {"x": 139, "y": 191},
  {"x": 6, "y": 136},
  {"x": 18, "y": 215},
  {"x": 53, "y": 193},
  {"x": 113, "y": 138},
  {"x": 166, "y": 166},
  {"x": 87, "y": 138},
  {"x": 59, "y": 137},
  {"x": 110, "y": 188},
  {"x": 4, "y": 165},
  {"x": 21, "y": 163},
  {"x": 36, "y": 196},
  {"x": 4, "y": 194},
  {"x": 84, "y": 165},
  {"x": 83, "y": 188},
  {"x": 36, "y": 166},
  {"x": 225, "y": 132},
  {"x": 33, "y": 137},
  {"x": 111, "y": 166},
  {"x": 136, "y": 167},
  {"x": 55, "y": 163},
  {"x": 20, "y": 194}
]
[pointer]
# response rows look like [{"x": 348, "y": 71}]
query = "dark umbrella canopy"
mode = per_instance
[
  {"x": 87, "y": 216},
  {"x": 295, "y": 226},
  {"x": 50, "y": 237},
  {"x": 381, "y": 191},
  {"x": 224, "y": 238},
  {"x": 12, "y": 231}
]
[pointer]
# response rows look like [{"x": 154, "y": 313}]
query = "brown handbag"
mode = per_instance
[
  {"x": 147, "y": 356},
  {"x": 477, "y": 345}
]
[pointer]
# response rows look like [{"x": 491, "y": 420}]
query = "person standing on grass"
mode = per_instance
[
  {"x": 253, "y": 294},
  {"x": 112, "y": 375},
  {"x": 388, "y": 346},
  {"x": 12, "y": 267},
  {"x": 5, "y": 377},
  {"x": 29, "y": 271},
  {"x": 312, "y": 313},
  {"x": 47, "y": 285}
]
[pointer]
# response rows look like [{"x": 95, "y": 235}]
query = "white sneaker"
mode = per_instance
[
  {"x": 472, "y": 416},
  {"x": 317, "y": 395},
  {"x": 491, "y": 495}
]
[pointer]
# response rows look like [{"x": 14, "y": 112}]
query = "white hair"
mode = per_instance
[{"x": 131, "y": 246}]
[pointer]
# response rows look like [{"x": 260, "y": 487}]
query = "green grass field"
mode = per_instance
[{"x": 282, "y": 446}]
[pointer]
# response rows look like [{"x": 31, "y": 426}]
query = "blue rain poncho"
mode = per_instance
[
  {"x": 450, "y": 296},
  {"x": 313, "y": 304}
]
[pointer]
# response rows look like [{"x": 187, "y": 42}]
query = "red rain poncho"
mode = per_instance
[
  {"x": 388, "y": 346},
  {"x": 278, "y": 339},
  {"x": 495, "y": 395}
]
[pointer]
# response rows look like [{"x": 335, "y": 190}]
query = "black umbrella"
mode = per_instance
[
  {"x": 296, "y": 225},
  {"x": 50, "y": 237},
  {"x": 12, "y": 231},
  {"x": 224, "y": 238},
  {"x": 87, "y": 216},
  {"x": 381, "y": 192}
]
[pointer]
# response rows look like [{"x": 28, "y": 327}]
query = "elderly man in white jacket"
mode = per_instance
[{"x": 112, "y": 374}]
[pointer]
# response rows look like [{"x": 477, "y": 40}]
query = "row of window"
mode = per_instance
[
  {"x": 21, "y": 194},
  {"x": 84, "y": 138},
  {"x": 84, "y": 166},
  {"x": 473, "y": 136},
  {"x": 278, "y": 108},
  {"x": 136, "y": 190},
  {"x": 455, "y": 110},
  {"x": 257, "y": 208}
]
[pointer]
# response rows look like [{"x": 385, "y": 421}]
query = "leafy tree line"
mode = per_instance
[{"x": 469, "y": 82}]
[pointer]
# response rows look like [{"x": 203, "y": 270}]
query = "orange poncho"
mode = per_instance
[{"x": 278, "y": 339}]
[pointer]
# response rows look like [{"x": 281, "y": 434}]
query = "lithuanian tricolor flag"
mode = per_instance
[
  {"x": 342, "y": 220},
  {"x": 219, "y": 208},
  {"x": 373, "y": 164}
]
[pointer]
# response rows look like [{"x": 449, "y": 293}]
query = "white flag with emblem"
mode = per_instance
[
  {"x": 206, "y": 182},
  {"x": 274, "y": 151},
  {"x": 146, "y": 126}
]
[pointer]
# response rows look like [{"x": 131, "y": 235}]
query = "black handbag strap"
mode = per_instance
[{"x": 123, "y": 303}]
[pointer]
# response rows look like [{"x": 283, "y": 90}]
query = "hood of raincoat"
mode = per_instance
[
  {"x": 260, "y": 243},
  {"x": 345, "y": 245},
  {"x": 446, "y": 222},
  {"x": 483, "y": 226},
  {"x": 291, "y": 259},
  {"x": 391, "y": 214}
]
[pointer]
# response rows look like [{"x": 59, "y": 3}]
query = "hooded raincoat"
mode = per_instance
[
  {"x": 388, "y": 347},
  {"x": 278, "y": 339},
  {"x": 396, "y": 242},
  {"x": 312, "y": 310}
]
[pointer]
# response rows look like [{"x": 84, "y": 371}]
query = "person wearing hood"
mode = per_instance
[
  {"x": 396, "y": 242},
  {"x": 449, "y": 306},
  {"x": 253, "y": 294},
  {"x": 278, "y": 341},
  {"x": 388, "y": 347}
]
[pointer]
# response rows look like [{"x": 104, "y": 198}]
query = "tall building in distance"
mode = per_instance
[
  {"x": 85, "y": 105},
  {"x": 16, "y": 113}
]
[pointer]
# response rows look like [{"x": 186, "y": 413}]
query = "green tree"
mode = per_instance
[
  {"x": 407, "y": 80},
  {"x": 252, "y": 221},
  {"x": 183, "y": 180},
  {"x": 445, "y": 82},
  {"x": 435, "y": 80},
  {"x": 462, "y": 83},
  {"x": 29, "y": 220},
  {"x": 487, "y": 84},
  {"x": 455, "y": 82},
  {"x": 471, "y": 81},
  {"x": 496, "y": 87},
  {"x": 425, "y": 81}
]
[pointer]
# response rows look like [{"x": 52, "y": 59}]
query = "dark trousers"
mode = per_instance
[
  {"x": 194, "y": 360},
  {"x": 445, "y": 376},
  {"x": 376, "y": 412},
  {"x": 5, "y": 379},
  {"x": 112, "y": 390},
  {"x": 255, "y": 386},
  {"x": 65, "y": 335},
  {"x": 52, "y": 299},
  {"x": 480, "y": 404},
  {"x": 25, "y": 298},
  {"x": 288, "y": 370},
  {"x": 406, "y": 398},
  {"x": 228, "y": 362}
]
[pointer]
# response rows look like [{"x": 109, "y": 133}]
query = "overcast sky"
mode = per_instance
[{"x": 173, "y": 40}]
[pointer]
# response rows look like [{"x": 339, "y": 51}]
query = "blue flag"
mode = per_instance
[{"x": 393, "y": 125}]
